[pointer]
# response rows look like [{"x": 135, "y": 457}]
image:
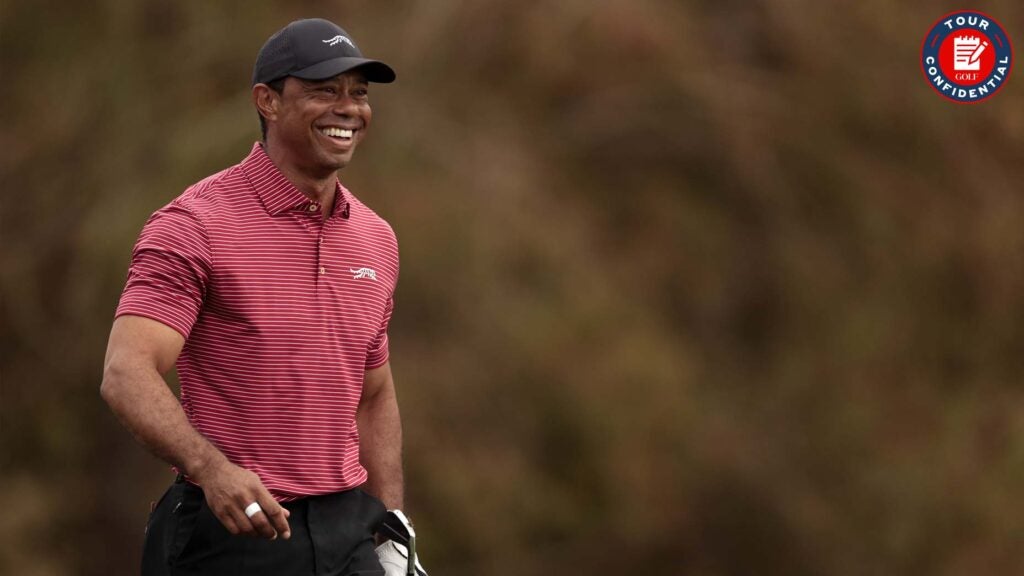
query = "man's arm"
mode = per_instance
[
  {"x": 139, "y": 352},
  {"x": 380, "y": 437}
]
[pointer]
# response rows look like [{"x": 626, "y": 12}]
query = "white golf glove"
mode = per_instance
[
  {"x": 394, "y": 554},
  {"x": 394, "y": 557}
]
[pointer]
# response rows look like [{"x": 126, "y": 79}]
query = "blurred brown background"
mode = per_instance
[{"x": 710, "y": 288}]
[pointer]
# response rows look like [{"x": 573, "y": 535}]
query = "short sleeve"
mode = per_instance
[
  {"x": 169, "y": 271},
  {"x": 377, "y": 353}
]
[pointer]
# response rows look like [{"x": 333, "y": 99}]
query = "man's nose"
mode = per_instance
[{"x": 345, "y": 106}]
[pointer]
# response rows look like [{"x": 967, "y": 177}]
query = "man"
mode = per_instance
[{"x": 270, "y": 286}]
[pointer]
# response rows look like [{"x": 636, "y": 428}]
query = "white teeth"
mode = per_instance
[{"x": 337, "y": 132}]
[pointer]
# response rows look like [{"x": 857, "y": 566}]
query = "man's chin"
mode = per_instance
[
  {"x": 339, "y": 165},
  {"x": 338, "y": 161}
]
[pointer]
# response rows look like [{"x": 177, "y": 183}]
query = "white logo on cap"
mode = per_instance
[{"x": 338, "y": 40}]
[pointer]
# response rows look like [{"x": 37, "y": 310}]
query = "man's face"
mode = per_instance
[{"x": 320, "y": 122}]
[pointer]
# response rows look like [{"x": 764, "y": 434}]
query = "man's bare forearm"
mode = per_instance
[
  {"x": 380, "y": 440},
  {"x": 140, "y": 351},
  {"x": 146, "y": 406}
]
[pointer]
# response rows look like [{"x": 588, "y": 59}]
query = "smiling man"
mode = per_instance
[{"x": 270, "y": 286}]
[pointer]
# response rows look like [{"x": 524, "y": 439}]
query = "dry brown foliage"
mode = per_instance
[{"x": 709, "y": 288}]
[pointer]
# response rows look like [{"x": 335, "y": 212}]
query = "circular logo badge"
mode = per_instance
[{"x": 966, "y": 56}]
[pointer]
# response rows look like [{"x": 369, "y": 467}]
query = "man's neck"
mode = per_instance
[{"x": 320, "y": 189}]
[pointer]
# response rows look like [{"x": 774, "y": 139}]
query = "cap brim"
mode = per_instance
[{"x": 374, "y": 70}]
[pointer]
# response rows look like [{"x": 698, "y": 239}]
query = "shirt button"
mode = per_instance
[
  {"x": 322, "y": 270},
  {"x": 313, "y": 207}
]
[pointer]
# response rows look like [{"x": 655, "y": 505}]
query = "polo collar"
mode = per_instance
[{"x": 275, "y": 191}]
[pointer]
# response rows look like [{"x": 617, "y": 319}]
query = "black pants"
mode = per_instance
[{"x": 332, "y": 535}]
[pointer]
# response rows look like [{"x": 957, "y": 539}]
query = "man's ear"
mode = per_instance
[{"x": 267, "y": 101}]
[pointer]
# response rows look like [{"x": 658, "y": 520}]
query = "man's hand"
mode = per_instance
[{"x": 230, "y": 489}]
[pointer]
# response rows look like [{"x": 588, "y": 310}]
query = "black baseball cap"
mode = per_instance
[{"x": 314, "y": 49}]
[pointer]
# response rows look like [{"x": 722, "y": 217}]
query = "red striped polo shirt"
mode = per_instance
[{"x": 282, "y": 313}]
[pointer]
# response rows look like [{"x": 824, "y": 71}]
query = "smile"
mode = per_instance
[{"x": 337, "y": 133}]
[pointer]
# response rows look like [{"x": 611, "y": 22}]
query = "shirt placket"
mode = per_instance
[{"x": 314, "y": 211}]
